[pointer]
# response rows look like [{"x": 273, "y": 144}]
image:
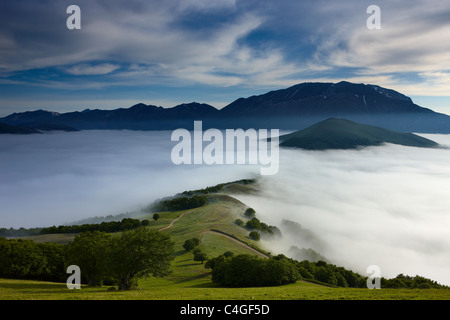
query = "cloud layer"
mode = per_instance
[{"x": 385, "y": 206}]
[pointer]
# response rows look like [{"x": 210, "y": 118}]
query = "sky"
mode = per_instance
[{"x": 170, "y": 52}]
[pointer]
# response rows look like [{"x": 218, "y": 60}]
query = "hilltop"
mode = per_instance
[{"x": 344, "y": 134}]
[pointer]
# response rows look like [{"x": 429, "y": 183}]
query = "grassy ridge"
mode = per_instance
[{"x": 189, "y": 280}]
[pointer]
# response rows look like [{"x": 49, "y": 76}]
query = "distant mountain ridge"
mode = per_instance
[{"x": 293, "y": 108}]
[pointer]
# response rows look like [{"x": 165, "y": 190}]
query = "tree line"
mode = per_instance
[
  {"x": 102, "y": 257},
  {"x": 217, "y": 188},
  {"x": 110, "y": 226},
  {"x": 181, "y": 203},
  {"x": 246, "y": 270}
]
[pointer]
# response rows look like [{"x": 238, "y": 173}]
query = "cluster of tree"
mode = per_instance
[
  {"x": 254, "y": 223},
  {"x": 246, "y": 270},
  {"x": 257, "y": 227},
  {"x": 181, "y": 203},
  {"x": 216, "y": 188},
  {"x": 112, "y": 226},
  {"x": 103, "y": 258},
  {"x": 338, "y": 276},
  {"x": 330, "y": 274},
  {"x": 121, "y": 260},
  {"x": 21, "y": 232},
  {"x": 26, "y": 259},
  {"x": 416, "y": 282}
]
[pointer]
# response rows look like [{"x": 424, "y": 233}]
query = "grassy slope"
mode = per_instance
[
  {"x": 345, "y": 134},
  {"x": 190, "y": 280}
]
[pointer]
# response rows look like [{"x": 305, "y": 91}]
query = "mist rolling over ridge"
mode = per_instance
[
  {"x": 60, "y": 178},
  {"x": 385, "y": 205}
]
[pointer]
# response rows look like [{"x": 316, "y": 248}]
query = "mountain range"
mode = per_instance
[{"x": 293, "y": 108}]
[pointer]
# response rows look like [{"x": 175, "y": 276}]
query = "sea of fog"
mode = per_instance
[{"x": 387, "y": 206}]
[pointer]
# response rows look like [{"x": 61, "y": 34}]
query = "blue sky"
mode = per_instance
[{"x": 215, "y": 51}]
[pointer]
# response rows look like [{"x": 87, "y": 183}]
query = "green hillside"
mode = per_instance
[
  {"x": 215, "y": 226},
  {"x": 344, "y": 134}
]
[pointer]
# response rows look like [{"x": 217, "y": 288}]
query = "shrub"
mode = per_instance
[
  {"x": 191, "y": 244},
  {"x": 254, "y": 235},
  {"x": 250, "y": 213}
]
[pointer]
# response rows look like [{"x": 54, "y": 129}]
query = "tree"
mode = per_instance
[
  {"x": 254, "y": 223},
  {"x": 200, "y": 255},
  {"x": 254, "y": 235},
  {"x": 89, "y": 251},
  {"x": 239, "y": 222},
  {"x": 139, "y": 253},
  {"x": 156, "y": 216},
  {"x": 250, "y": 213},
  {"x": 228, "y": 254},
  {"x": 191, "y": 244}
]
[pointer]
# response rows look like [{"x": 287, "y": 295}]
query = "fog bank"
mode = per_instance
[
  {"x": 387, "y": 206},
  {"x": 62, "y": 177}
]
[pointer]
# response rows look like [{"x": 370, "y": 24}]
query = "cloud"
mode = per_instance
[
  {"x": 381, "y": 205},
  {"x": 86, "y": 69},
  {"x": 223, "y": 44}
]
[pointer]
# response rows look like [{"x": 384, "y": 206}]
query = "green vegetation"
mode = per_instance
[
  {"x": 345, "y": 134},
  {"x": 254, "y": 235},
  {"x": 139, "y": 253},
  {"x": 187, "y": 274},
  {"x": 112, "y": 226},
  {"x": 255, "y": 224},
  {"x": 199, "y": 255},
  {"x": 89, "y": 251},
  {"x": 246, "y": 270},
  {"x": 250, "y": 213},
  {"x": 191, "y": 244},
  {"x": 21, "y": 232},
  {"x": 119, "y": 259},
  {"x": 181, "y": 203},
  {"x": 26, "y": 259},
  {"x": 218, "y": 188}
]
